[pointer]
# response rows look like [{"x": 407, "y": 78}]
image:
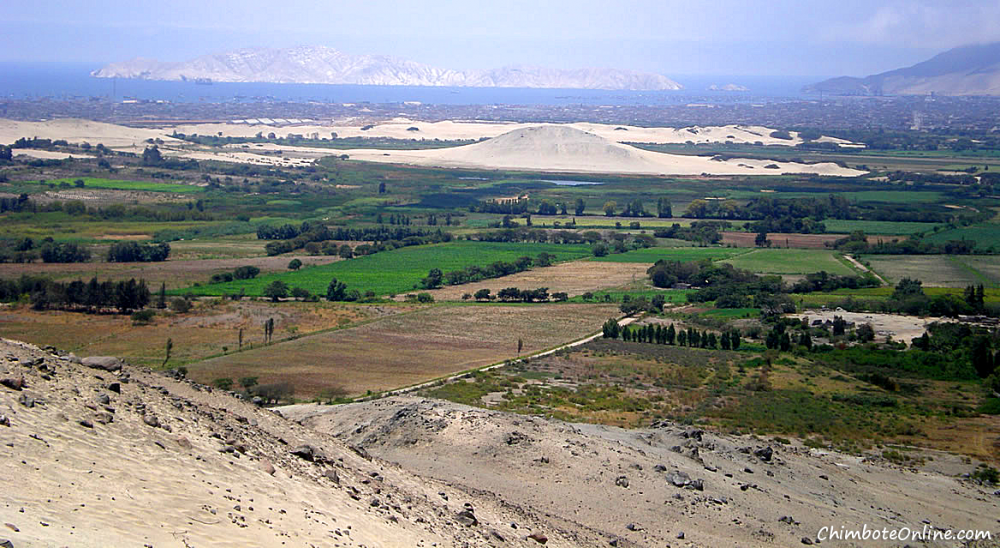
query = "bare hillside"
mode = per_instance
[
  {"x": 105, "y": 456},
  {"x": 654, "y": 487}
]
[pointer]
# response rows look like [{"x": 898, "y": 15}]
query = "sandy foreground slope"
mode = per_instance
[
  {"x": 96, "y": 458},
  {"x": 624, "y": 483}
]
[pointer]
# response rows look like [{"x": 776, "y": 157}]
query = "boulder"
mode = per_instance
[{"x": 104, "y": 363}]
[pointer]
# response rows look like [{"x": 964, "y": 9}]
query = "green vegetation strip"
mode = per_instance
[
  {"x": 682, "y": 254},
  {"x": 111, "y": 184},
  {"x": 790, "y": 261},
  {"x": 398, "y": 271}
]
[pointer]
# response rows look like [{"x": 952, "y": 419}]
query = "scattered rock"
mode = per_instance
[
  {"x": 679, "y": 479},
  {"x": 788, "y": 519},
  {"x": 764, "y": 453},
  {"x": 4, "y": 543},
  {"x": 697, "y": 485},
  {"x": 748, "y": 470},
  {"x": 660, "y": 468},
  {"x": 824, "y": 477},
  {"x": 104, "y": 363},
  {"x": 539, "y": 538},
  {"x": 694, "y": 433},
  {"x": 331, "y": 475},
  {"x": 115, "y": 387},
  {"x": 13, "y": 383},
  {"x": 515, "y": 438},
  {"x": 26, "y": 401},
  {"x": 306, "y": 452},
  {"x": 103, "y": 399},
  {"x": 4, "y": 421},
  {"x": 680, "y": 536},
  {"x": 12, "y": 527},
  {"x": 621, "y": 481},
  {"x": 467, "y": 518},
  {"x": 266, "y": 467},
  {"x": 86, "y": 423},
  {"x": 151, "y": 420},
  {"x": 807, "y": 541},
  {"x": 375, "y": 503}
]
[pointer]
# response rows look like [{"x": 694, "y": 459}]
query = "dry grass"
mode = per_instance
[
  {"x": 575, "y": 278},
  {"x": 177, "y": 274},
  {"x": 933, "y": 270},
  {"x": 408, "y": 349},
  {"x": 196, "y": 335}
]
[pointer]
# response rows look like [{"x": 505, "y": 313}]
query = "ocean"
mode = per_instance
[{"x": 62, "y": 81}]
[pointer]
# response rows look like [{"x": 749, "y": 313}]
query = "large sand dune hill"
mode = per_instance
[{"x": 567, "y": 149}]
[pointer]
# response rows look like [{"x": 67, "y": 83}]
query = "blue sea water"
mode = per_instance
[{"x": 73, "y": 81}]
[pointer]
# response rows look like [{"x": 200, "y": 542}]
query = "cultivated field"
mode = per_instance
[
  {"x": 573, "y": 278},
  {"x": 408, "y": 348},
  {"x": 801, "y": 241},
  {"x": 790, "y": 261},
  {"x": 934, "y": 270},
  {"x": 650, "y": 255},
  {"x": 95, "y": 182},
  {"x": 176, "y": 274},
  {"x": 210, "y": 328},
  {"x": 877, "y": 227},
  {"x": 398, "y": 271}
]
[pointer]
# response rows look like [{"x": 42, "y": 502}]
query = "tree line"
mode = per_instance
[
  {"x": 474, "y": 273},
  {"x": 78, "y": 296},
  {"x": 657, "y": 334}
]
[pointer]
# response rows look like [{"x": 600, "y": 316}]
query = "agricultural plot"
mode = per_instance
[
  {"x": 112, "y": 184},
  {"x": 398, "y": 271},
  {"x": 790, "y": 261},
  {"x": 407, "y": 349},
  {"x": 986, "y": 235},
  {"x": 802, "y": 241},
  {"x": 176, "y": 274},
  {"x": 650, "y": 255},
  {"x": 209, "y": 329},
  {"x": 840, "y": 226},
  {"x": 937, "y": 270},
  {"x": 573, "y": 278}
]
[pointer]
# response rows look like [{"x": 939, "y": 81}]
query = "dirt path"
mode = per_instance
[{"x": 864, "y": 268}]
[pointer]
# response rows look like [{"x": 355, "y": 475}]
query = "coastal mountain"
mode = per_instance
[
  {"x": 322, "y": 65},
  {"x": 966, "y": 70}
]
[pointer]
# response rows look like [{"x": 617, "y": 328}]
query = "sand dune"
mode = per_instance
[
  {"x": 78, "y": 131},
  {"x": 567, "y": 149}
]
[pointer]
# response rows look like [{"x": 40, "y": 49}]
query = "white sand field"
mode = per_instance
[{"x": 575, "y": 148}]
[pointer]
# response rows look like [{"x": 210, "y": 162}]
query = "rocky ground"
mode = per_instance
[
  {"x": 94, "y": 453},
  {"x": 665, "y": 486}
]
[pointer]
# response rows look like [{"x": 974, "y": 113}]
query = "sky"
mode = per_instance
[{"x": 686, "y": 37}]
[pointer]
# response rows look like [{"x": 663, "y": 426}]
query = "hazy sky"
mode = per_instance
[{"x": 772, "y": 37}]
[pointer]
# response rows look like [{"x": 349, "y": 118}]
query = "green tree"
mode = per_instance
[
  {"x": 170, "y": 346},
  {"x": 248, "y": 382},
  {"x": 580, "y": 206},
  {"x": 294, "y": 264},
  {"x": 609, "y": 208},
  {"x": 336, "y": 291},
  {"x": 161, "y": 299},
  {"x": 276, "y": 290},
  {"x": 664, "y": 209},
  {"x": 671, "y": 334},
  {"x": 223, "y": 384},
  {"x": 346, "y": 252}
]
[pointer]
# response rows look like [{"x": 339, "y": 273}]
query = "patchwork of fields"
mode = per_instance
[
  {"x": 398, "y": 271},
  {"x": 790, "y": 261},
  {"x": 408, "y": 348},
  {"x": 939, "y": 270}
]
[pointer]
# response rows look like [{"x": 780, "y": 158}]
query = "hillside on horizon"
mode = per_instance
[
  {"x": 965, "y": 70},
  {"x": 322, "y": 65}
]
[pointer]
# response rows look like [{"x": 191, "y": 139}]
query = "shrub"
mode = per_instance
[
  {"x": 142, "y": 317},
  {"x": 223, "y": 384},
  {"x": 294, "y": 264},
  {"x": 180, "y": 305}
]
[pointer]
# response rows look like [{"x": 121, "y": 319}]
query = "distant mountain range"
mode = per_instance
[
  {"x": 322, "y": 65},
  {"x": 966, "y": 70}
]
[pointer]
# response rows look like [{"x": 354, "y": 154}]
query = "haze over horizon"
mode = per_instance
[{"x": 781, "y": 38}]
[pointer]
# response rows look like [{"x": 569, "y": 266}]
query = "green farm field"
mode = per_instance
[
  {"x": 791, "y": 261},
  {"x": 113, "y": 184},
  {"x": 398, "y": 271},
  {"x": 877, "y": 227},
  {"x": 985, "y": 235},
  {"x": 682, "y": 254}
]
